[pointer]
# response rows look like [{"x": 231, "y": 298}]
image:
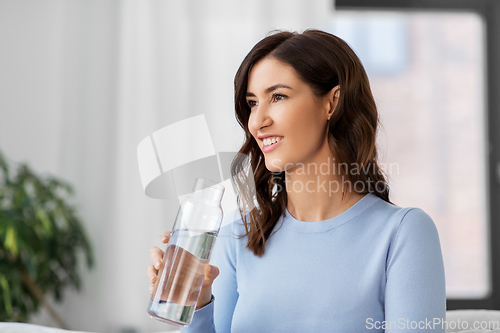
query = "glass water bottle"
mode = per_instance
[{"x": 180, "y": 279}]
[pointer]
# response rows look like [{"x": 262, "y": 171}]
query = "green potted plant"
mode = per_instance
[{"x": 42, "y": 242}]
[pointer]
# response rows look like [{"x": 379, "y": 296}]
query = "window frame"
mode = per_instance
[{"x": 489, "y": 10}]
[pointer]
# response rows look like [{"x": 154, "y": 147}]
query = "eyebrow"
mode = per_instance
[{"x": 270, "y": 89}]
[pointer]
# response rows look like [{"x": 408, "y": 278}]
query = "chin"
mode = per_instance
[{"x": 275, "y": 164}]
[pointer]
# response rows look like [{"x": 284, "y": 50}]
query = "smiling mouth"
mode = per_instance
[{"x": 272, "y": 140}]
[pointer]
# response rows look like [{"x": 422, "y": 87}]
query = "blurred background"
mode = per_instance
[{"x": 82, "y": 82}]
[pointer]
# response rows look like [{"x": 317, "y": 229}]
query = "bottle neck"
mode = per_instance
[
  {"x": 212, "y": 195},
  {"x": 208, "y": 190}
]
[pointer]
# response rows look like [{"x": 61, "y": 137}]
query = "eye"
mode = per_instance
[
  {"x": 278, "y": 97},
  {"x": 251, "y": 103}
]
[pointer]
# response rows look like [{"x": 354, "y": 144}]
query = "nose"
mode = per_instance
[{"x": 259, "y": 119}]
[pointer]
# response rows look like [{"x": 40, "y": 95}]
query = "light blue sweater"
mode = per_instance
[{"x": 372, "y": 267}]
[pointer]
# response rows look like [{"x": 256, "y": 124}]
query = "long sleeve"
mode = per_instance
[
  {"x": 415, "y": 292},
  {"x": 376, "y": 261},
  {"x": 217, "y": 315}
]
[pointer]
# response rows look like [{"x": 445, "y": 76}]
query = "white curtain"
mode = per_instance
[{"x": 84, "y": 81}]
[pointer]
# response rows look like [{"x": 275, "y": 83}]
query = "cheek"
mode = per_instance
[
  {"x": 307, "y": 128},
  {"x": 251, "y": 129}
]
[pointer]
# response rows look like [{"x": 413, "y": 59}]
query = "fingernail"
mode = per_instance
[
  {"x": 152, "y": 278},
  {"x": 164, "y": 237},
  {"x": 157, "y": 265},
  {"x": 212, "y": 269}
]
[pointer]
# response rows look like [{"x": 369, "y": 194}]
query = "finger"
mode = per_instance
[
  {"x": 152, "y": 273},
  {"x": 165, "y": 237},
  {"x": 151, "y": 288},
  {"x": 211, "y": 272},
  {"x": 156, "y": 256},
  {"x": 215, "y": 272}
]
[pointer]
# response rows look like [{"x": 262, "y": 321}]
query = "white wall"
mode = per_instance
[{"x": 83, "y": 81}]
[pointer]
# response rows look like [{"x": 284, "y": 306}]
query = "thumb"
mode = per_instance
[{"x": 211, "y": 272}]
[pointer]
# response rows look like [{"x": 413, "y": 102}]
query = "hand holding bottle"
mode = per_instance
[
  {"x": 188, "y": 270},
  {"x": 181, "y": 275}
]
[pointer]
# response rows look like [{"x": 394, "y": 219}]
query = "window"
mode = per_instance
[{"x": 427, "y": 73}]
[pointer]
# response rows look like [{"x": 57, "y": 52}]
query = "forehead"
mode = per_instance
[{"x": 268, "y": 72}]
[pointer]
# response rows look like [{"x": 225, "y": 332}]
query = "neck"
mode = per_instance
[{"x": 315, "y": 193}]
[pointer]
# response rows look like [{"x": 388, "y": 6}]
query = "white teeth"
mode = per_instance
[{"x": 270, "y": 141}]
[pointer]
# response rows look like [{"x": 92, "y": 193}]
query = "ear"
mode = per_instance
[{"x": 331, "y": 101}]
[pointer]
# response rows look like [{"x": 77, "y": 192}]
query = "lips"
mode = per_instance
[
  {"x": 269, "y": 141},
  {"x": 267, "y": 135},
  {"x": 272, "y": 146}
]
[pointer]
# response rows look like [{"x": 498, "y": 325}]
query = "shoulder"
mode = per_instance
[
  {"x": 415, "y": 218},
  {"x": 412, "y": 220},
  {"x": 416, "y": 226},
  {"x": 399, "y": 227},
  {"x": 413, "y": 237},
  {"x": 400, "y": 217}
]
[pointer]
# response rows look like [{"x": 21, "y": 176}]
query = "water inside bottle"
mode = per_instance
[{"x": 185, "y": 259}]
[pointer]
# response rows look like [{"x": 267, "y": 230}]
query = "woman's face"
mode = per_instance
[{"x": 287, "y": 120}]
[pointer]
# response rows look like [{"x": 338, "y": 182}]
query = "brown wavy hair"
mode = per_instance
[{"x": 323, "y": 61}]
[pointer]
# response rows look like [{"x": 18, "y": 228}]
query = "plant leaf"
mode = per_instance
[
  {"x": 41, "y": 235},
  {"x": 44, "y": 220},
  {"x": 6, "y": 294},
  {"x": 11, "y": 241}
]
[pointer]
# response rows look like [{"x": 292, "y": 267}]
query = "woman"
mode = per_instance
[{"x": 325, "y": 250}]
